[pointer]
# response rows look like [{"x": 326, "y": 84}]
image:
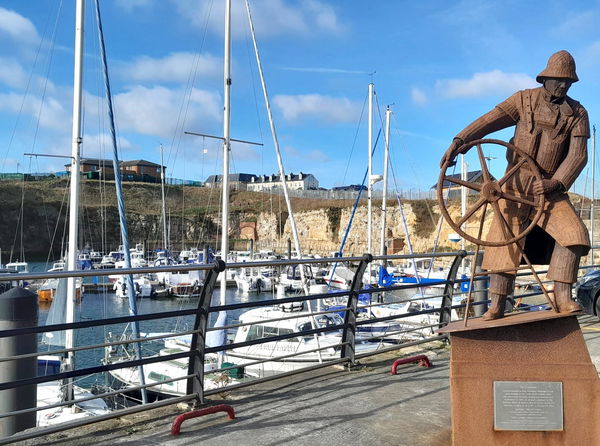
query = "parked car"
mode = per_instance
[{"x": 587, "y": 290}]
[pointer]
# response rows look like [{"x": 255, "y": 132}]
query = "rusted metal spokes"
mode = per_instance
[{"x": 492, "y": 192}]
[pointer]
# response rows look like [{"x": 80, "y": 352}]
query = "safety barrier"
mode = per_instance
[{"x": 339, "y": 339}]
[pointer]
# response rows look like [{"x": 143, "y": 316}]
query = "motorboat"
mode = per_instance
[
  {"x": 84, "y": 261},
  {"x": 49, "y": 393},
  {"x": 144, "y": 287},
  {"x": 47, "y": 289},
  {"x": 18, "y": 267},
  {"x": 340, "y": 277},
  {"x": 57, "y": 266},
  {"x": 260, "y": 323},
  {"x": 291, "y": 278},
  {"x": 182, "y": 283},
  {"x": 107, "y": 262},
  {"x": 251, "y": 280},
  {"x": 157, "y": 372}
]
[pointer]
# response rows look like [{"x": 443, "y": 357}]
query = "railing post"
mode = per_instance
[
  {"x": 480, "y": 287},
  {"x": 348, "y": 338},
  {"x": 196, "y": 363},
  {"x": 18, "y": 309},
  {"x": 446, "y": 310}
]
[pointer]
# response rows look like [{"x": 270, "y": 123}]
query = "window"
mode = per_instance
[
  {"x": 305, "y": 327},
  {"x": 270, "y": 332},
  {"x": 159, "y": 377},
  {"x": 414, "y": 306},
  {"x": 262, "y": 331},
  {"x": 256, "y": 332}
]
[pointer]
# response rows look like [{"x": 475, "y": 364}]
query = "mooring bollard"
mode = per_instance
[{"x": 18, "y": 309}]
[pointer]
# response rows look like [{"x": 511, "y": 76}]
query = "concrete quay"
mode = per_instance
[{"x": 364, "y": 406}]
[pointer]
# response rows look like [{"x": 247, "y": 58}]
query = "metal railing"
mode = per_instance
[{"x": 341, "y": 341}]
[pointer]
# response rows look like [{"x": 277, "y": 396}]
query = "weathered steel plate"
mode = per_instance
[{"x": 509, "y": 319}]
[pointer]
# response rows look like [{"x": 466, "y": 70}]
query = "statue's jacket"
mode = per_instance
[{"x": 545, "y": 131}]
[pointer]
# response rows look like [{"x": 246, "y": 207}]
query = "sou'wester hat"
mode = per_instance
[{"x": 560, "y": 65}]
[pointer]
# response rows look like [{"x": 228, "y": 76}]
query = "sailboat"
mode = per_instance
[
  {"x": 297, "y": 345},
  {"x": 174, "y": 370},
  {"x": 63, "y": 310}
]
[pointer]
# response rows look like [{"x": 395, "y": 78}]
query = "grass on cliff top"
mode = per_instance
[{"x": 146, "y": 197}]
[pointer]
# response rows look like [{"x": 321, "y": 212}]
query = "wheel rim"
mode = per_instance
[{"x": 491, "y": 192}]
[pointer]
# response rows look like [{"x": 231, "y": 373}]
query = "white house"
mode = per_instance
[{"x": 301, "y": 181}]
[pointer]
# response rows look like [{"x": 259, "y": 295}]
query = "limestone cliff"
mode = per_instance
[{"x": 33, "y": 220}]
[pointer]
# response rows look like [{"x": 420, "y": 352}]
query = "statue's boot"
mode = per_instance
[
  {"x": 563, "y": 299},
  {"x": 496, "y": 310}
]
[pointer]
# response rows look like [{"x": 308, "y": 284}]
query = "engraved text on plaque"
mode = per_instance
[{"x": 528, "y": 406}]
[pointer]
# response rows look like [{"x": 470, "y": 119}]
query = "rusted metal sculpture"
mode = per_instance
[{"x": 534, "y": 220}]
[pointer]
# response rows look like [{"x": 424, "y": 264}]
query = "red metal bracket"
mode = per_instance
[
  {"x": 200, "y": 412},
  {"x": 421, "y": 360}
]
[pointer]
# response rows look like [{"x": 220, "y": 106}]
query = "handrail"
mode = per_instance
[{"x": 346, "y": 347}]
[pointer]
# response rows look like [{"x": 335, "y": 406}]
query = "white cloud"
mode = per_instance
[
  {"x": 17, "y": 26},
  {"x": 176, "y": 67},
  {"x": 318, "y": 156},
  {"x": 130, "y": 5},
  {"x": 418, "y": 96},
  {"x": 324, "y": 15},
  {"x": 311, "y": 155},
  {"x": 292, "y": 151},
  {"x": 154, "y": 111},
  {"x": 316, "y": 106},
  {"x": 243, "y": 152},
  {"x": 485, "y": 84},
  {"x": 52, "y": 113},
  {"x": 12, "y": 73},
  {"x": 577, "y": 23},
  {"x": 324, "y": 70},
  {"x": 590, "y": 55},
  {"x": 270, "y": 17},
  {"x": 99, "y": 145}
]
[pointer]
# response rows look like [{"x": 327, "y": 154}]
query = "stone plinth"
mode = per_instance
[{"x": 540, "y": 346}]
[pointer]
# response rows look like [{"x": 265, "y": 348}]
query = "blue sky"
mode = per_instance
[{"x": 440, "y": 63}]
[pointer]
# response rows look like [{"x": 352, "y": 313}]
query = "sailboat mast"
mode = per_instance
[
  {"x": 388, "y": 114},
  {"x": 370, "y": 174},
  {"x": 121, "y": 204},
  {"x": 592, "y": 206},
  {"x": 226, "y": 146},
  {"x": 294, "y": 228},
  {"x": 76, "y": 141},
  {"x": 164, "y": 204}
]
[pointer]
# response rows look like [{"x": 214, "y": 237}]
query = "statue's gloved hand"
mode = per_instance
[
  {"x": 451, "y": 152},
  {"x": 546, "y": 186}
]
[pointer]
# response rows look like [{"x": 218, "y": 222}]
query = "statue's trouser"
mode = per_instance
[{"x": 563, "y": 268}]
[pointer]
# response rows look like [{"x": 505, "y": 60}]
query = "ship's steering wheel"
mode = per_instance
[{"x": 491, "y": 192}]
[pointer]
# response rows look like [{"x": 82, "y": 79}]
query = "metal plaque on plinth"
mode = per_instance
[{"x": 528, "y": 406}]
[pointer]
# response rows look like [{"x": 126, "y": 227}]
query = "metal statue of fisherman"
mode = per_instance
[{"x": 553, "y": 129}]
